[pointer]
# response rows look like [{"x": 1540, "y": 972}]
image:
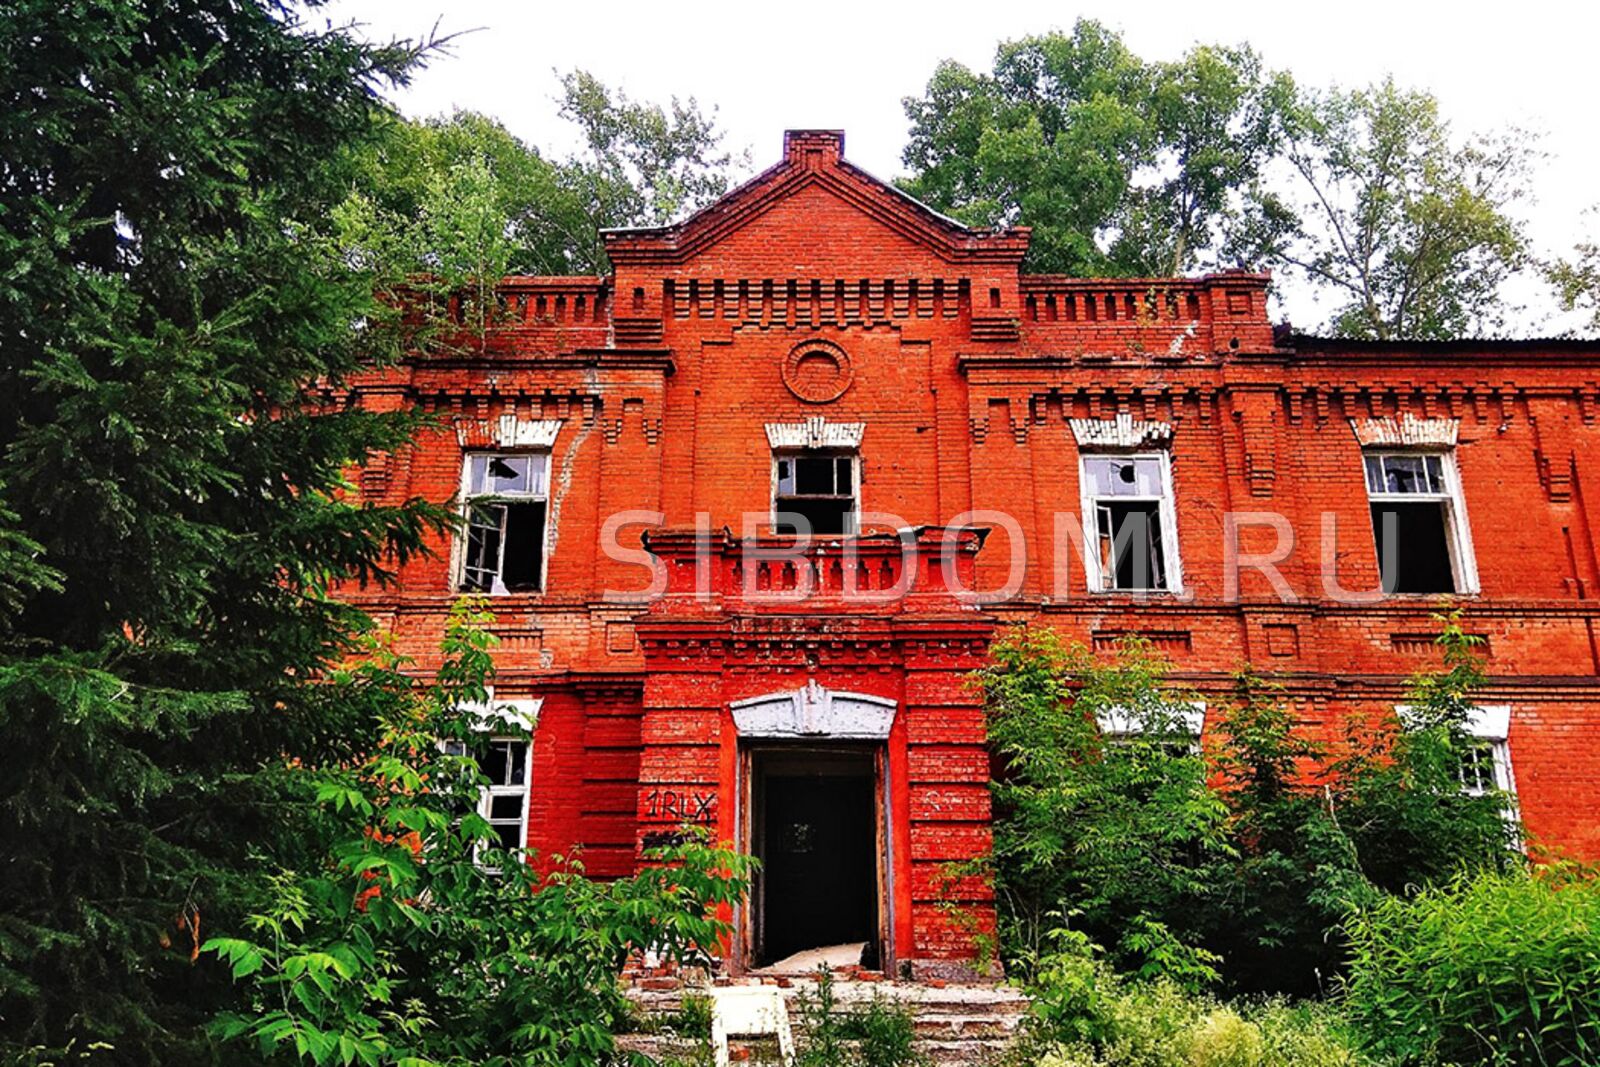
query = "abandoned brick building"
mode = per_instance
[{"x": 817, "y": 345}]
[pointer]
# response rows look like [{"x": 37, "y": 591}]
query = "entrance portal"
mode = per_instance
[{"x": 815, "y": 825}]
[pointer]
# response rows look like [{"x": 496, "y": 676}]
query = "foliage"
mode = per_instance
[
  {"x": 1120, "y": 166},
  {"x": 173, "y": 506},
  {"x": 1408, "y": 226},
  {"x": 1266, "y": 915},
  {"x": 1116, "y": 831},
  {"x": 1577, "y": 279},
  {"x": 877, "y": 1033},
  {"x": 1395, "y": 796},
  {"x": 1498, "y": 968},
  {"x": 884, "y": 1032},
  {"x": 417, "y": 941},
  {"x": 1240, "y": 863},
  {"x": 1084, "y": 1014},
  {"x": 647, "y": 165},
  {"x": 464, "y": 182}
]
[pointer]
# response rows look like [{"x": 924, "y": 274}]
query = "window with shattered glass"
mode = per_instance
[
  {"x": 815, "y": 492},
  {"x": 1418, "y": 523},
  {"x": 1128, "y": 501},
  {"x": 506, "y": 512}
]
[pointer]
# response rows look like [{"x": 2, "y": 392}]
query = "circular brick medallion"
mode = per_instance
[{"x": 817, "y": 371}]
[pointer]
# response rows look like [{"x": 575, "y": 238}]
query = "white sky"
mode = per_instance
[{"x": 768, "y": 66}]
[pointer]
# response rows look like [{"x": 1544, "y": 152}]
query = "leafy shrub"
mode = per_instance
[
  {"x": 1108, "y": 830},
  {"x": 1499, "y": 968},
  {"x": 1239, "y": 862},
  {"x": 1222, "y": 1039},
  {"x": 1395, "y": 790},
  {"x": 1084, "y": 1014},
  {"x": 415, "y": 941}
]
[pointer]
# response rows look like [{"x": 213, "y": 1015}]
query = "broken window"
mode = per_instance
[
  {"x": 503, "y": 801},
  {"x": 1418, "y": 522},
  {"x": 1134, "y": 547},
  {"x": 505, "y": 511},
  {"x": 815, "y": 493}
]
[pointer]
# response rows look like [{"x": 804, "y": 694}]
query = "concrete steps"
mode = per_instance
[{"x": 955, "y": 1024}]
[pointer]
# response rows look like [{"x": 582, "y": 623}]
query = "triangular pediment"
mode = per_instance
[{"x": 813, "y": 168}]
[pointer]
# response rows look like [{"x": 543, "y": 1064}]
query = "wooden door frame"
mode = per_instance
[{"x": 750, "y": 913}]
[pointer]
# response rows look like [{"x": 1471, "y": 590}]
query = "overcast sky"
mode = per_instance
[{"x": 768, "y": 66}]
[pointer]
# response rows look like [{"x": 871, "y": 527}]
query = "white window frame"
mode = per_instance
[
  {"x": 487, "y": 719},
  {"x": 469, "y": 498},
  {"x": 1458, "y": 532},
  {"x": 853, "y": 455},
  {"x": 1117, "y": 721},
  {"x": 1490, "y": 723},
  {"x": 1172, "y": 565}
]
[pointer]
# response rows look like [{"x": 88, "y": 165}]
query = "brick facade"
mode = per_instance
[{"x": 815, "y": 305}]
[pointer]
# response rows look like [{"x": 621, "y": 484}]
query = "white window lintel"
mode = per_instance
[
  {"x": 1407, "y": 431},
  {"x": 508, "y": 431},
  {"x": 1119, "y": 721},
  {"x": 815, "y": 432},
  {"x": 1120, "y": 434}
]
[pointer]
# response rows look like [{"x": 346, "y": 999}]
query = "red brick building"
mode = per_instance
[{"x": 816, "y": 344}]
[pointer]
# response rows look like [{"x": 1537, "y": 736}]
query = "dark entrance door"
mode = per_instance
[{"x": 818, "y": 842}]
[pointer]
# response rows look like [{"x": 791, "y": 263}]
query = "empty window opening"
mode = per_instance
[
  {"x": 815, "y": 493},
  {"x": 506, "y": 510},
  {"x": 1127, "y": 499},
  {"x": 1417, "y": 522}
]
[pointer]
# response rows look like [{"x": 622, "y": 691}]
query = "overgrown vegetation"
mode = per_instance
[
  {"x": 1500, "y": 968},
  {"x": 1266, "y": 864},
  {"x": 877, "y": 1033},
  {"x": 1238, "y": 860},
  {"x": 417, "y": 941},
  {"x": 1085, "y": 1014},
  {"x": 182, "y": 261},
  {"x": 173, "y": 502}
]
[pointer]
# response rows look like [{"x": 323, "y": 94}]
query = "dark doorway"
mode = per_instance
[{"x": 816, "y": 833}]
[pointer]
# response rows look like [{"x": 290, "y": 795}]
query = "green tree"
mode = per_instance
[
  {"x": 1110, "y": 830},
  {"x": 646, "y": 164},
  {"x": 1577, "y": 279},
  {"x": 1120, "y": 166},
  {"x": 173, "y": 503},
  {"x": 1396, "y": 795},
  {"x": 465, "y": 182},
  {"x": 1262, "y": 917},
  {"x": 1411, "y": 228},
  {"x": 416, "y": 940}
]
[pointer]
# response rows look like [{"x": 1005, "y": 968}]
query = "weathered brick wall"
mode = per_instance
[{"x": 966, "y": 375}]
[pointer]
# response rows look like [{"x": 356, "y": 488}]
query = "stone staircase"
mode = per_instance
[{"x": 955, "y": 1024}]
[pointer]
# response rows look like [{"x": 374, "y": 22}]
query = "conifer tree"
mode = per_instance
[{"x": 173, "y": 505}]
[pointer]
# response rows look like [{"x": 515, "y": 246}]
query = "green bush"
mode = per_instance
[
  {"x": 1084, "y": 1014},
  {"x": 414, "y": 940},
  {"x": 1116, "y": 831},
  {"x": 1238, "y": 862},
  {"x": 1499, "y": 968}
]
